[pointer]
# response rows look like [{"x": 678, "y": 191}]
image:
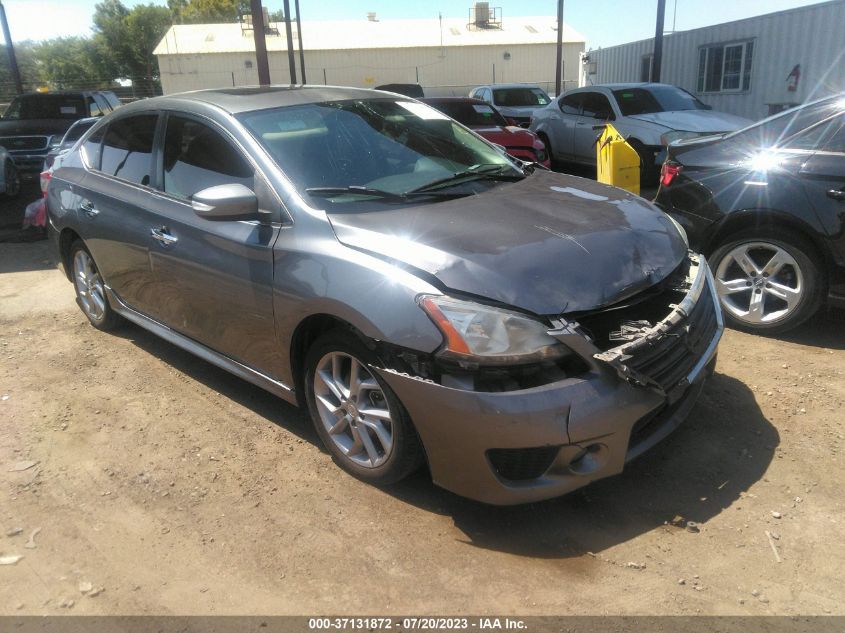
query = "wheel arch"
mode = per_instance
[
  {"x": 66, "y": 239},
  {"x": 306, "y": 332},
  {"x": 771, "y": 223}
]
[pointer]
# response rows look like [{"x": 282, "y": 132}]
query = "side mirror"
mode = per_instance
[
  {"x": 511, "y": 122},
  {"x": 226, "y": 203}
]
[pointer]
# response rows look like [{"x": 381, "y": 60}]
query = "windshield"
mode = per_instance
[
  {"x": 471, "y": 114},
  {"x": 382, "y": 148},
  {"x": 516, "y": 97},
  {"x": 770, "y": 132},
  {"x": 655, "y": 99},
  {"x": 46, "y": 106}
]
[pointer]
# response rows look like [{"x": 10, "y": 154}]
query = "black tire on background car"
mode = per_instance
[
  {"x": 767, "y": 283},
  {"x": 90, "y": 289},
  {"x": 359, "y": 419},
  {"x": 548, "y": 145},
  {"x": 12, "y": 180},
  {"x": 648, "y": 170}
]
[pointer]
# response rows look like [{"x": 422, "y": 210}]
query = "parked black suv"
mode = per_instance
[{"x": 35, "y": 122}]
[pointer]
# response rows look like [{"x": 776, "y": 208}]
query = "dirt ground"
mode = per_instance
[{"x": 165, "y": 486}]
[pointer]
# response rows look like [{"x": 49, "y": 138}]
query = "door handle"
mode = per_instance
[
  {"x": 87, "y": 207},
  {"x": 161, "y": 235},
  {"x": 837, "y": 194}
]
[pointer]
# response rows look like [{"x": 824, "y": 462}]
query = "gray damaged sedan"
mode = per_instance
[{"x": 429, "y": 299}]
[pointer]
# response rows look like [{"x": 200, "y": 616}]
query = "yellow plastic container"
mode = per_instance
[{"x": 617, "y": 163}]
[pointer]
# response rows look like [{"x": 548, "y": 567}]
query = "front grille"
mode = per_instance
[
  {"x": 668, "y": 359},
  {"x": 521, "y": 464},
  {"x": 24, "y": 143}
]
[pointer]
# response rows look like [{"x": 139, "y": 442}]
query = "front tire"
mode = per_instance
[
  {"x": 359, "y": 419},
  {"x": 90, "y": 289},
  {"x": 766, "y": 283}
]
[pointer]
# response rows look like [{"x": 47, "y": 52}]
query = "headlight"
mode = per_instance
[
  {"x": 678, "y": 135},
  {"x": 680, "y": 228},
  {"x": 482, "y": 334}
]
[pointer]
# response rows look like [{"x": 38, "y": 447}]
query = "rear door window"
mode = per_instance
[
  {"x": 91, "y": 148},
  {"x": 595, "y": 103},
  {"x": 197, "y": 157},
  {"x": 128, "y": 147},
  {"x": 571, "y": 104}
]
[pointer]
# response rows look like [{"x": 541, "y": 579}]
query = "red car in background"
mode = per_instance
[{"x": 483, "y": 118}]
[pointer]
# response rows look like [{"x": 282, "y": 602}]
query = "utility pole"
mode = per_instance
[
  {"x": 559, "y": 64},
  {"x": 289, "y": 34},
  {"x": 657, "y": 59},
  {"x": 10, "y": 48},
  {"x": 258, "y": 33},
  {"x": 299, "y": 33}
]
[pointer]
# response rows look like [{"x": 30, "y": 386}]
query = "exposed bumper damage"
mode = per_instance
[{"x": 525, "y": 445}]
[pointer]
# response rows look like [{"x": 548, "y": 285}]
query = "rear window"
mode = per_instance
[
  {"x": 471, "y": 114},
  {"x": 46, "y": 106},
  {"x": 515, "y": 97}
]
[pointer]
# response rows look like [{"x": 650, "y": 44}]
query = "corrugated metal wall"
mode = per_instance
[
  {"x": 810, "y": 36},
  {"x": 443, "y": 71}
]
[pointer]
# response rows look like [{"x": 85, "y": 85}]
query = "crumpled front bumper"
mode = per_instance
[{"x": 591, "y": 425}]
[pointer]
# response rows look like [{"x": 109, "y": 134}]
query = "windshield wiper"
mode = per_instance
[
  {"x": 488, "y": 172},
  {"x": 328, "y": 192}
]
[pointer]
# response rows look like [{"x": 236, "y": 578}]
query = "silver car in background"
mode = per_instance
[
  {"x": 649, "y": 115},
  {"x": 516, "y": 102}
]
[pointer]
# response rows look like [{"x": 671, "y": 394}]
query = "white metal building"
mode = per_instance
[
  {"x": 751, "y": 68},
  {"x": 446, "y": 56}
]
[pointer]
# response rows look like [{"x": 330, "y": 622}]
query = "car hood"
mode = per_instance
[
  {"x": 29, "y": 127},
  {"x": 695, "y": 120},
  {"x": 510, "y": 136},
  {"x": 549, "y": 244}
]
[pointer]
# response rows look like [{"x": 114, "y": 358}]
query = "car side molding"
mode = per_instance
[{"x": 198, "y": 349}]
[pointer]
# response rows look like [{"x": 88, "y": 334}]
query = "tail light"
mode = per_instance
[
  {"x": 46, "y": 177},
  {"x": 668, "y": 173}
]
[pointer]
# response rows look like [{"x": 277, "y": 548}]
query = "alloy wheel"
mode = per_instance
[
  {"x": 89, "y": 286},
  {"x": 759, "y": 282},
  {"x": 353, "y": 409}
]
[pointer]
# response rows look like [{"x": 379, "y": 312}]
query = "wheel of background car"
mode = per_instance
[
  {"x": 90, "y": 289},
  {"x": 12, "y": 179},
  {"x": 767, "y": 283},
  {"x": 357, "y": 416},
  {"x": 548, "y": 145},
  {"x": 648, "y": 171}
]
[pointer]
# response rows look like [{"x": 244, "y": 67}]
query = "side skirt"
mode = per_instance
[{"x": 198, "y": 349}]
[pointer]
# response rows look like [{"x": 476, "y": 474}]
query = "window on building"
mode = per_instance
[
  {"x": 645, "y": 67},
  {"x": 725, "y": 67}
]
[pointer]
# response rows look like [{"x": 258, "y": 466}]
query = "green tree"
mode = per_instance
[
  {"x": 69, "y": 62},
  {"x": 125, "y": 40},
  {"x": 207, "y": 11},
  {"x": 27, "y": 65}
]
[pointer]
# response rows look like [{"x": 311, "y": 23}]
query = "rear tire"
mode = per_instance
[
  {"x": 12, "y": 179},
  {"x": 359, "y": 419},
  {"x": 766, "y": 283},
  {"x": 90, "y": 289},
  {"x": 648, "y": 170}
]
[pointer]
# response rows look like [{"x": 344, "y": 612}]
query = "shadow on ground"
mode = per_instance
[
  {"x": 721, "y": 450},
  {"x": 16, "y": 258}
]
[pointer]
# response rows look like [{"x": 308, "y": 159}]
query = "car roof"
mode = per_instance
[
  {"x": 62, "y": 93},
  {"x": 453, "y": 100},
  {"x": 250, "y": 98},
  {"x": 623, "y": 86},
  {"x": 509, "y": 86}
]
